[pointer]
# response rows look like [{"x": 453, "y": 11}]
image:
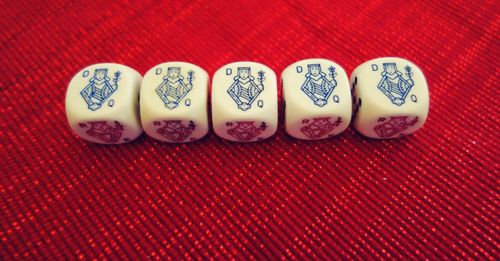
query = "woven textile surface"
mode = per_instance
[{"x": 432, "y": 195}]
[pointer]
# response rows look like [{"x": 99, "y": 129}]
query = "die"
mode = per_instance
[
  {"x": 244, "y": 102},
  {"x": 317, "y": 97},
  {"x": 390, "y": 98},
  {"x": 102, "y": 103},
  {"x": 174, "y": 102}
]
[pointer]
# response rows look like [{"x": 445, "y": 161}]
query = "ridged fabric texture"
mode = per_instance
[{"x": 433, "y": 195}]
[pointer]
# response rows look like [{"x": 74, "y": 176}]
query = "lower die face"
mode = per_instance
[
  {"x": 318, "y": 99},
  {"x": 174, "y": 102},
  {"x": 244, "y": 102},
  {"x": 102, "y": 103},
  {"x": 390, "y": 97}
]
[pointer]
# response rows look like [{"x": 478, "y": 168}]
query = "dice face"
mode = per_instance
[
  {"x": 174, "y": 102},
  {"x": 102, "y": 103},
  {"x": 244, "y": 102},
  {"x": 390, "y": 98},
  {"x": 318, "y": 101}
]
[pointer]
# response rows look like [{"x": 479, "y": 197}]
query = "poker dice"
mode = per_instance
[
  {"x": 174, "y": 102},
  {"x": 390, "y": 97},
  {"x": 317, "y": 99},
  {"x": 244, "y": 102},
  {"x": 102, "y": 103}
]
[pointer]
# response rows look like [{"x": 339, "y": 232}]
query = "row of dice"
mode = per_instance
[{"x": 112, "y": 103}]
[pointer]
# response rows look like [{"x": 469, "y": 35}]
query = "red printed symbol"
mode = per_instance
[
  {"x": 394, "y": 126},
  {"x": 245, "y": 130},
  {"x": 319, "y": 127},
  {"x": 175, "y": 130},
  {"x": 104, "y": 132}
]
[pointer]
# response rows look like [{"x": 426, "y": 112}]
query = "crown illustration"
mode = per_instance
[
  {"x": 174, "y": 69},
  {"x": 101, "y": 70},
  {"x": 314, "y": 65},
  {"x": 243, "y": 69}
]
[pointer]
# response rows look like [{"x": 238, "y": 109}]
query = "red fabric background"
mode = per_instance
[{"x": 431, "y": 195}]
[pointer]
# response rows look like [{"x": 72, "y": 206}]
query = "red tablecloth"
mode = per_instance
[{"x": 431, "y": 195}]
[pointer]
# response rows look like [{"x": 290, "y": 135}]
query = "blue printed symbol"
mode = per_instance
[
  {"x": 244, "y": 90},
  {"x": 173, "y": 87},
  {"x": 99, "y": 88},
  {"x": 394, "y": 85},
  {"x": 317, "y": 86}
]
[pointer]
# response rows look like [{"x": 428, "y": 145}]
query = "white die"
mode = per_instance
[
  {"x": 102, "y": 103},
  {"x": 390, "y": 97},
  {"x": 244, "y": 102},
  {"x": 174, "y": 102},
  {"x": 318, "y": 102}
]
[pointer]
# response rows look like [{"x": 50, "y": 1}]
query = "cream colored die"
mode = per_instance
[
  {"x": 244, "y": 102},
  {"x": 318, "y": 102},
  {"x": 174, "y": 102},
  {"x": 102, "y": 103},
  {"x": 390, "y": 96}
]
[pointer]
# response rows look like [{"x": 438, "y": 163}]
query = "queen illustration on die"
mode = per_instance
[
  {"x": 394, "y": 85},
  {"x": 317, "y": 86},
  {"x": 244, "y": 90},
  {"x": 99, "y": 88},
  {"x": 173, "y": 87}
]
